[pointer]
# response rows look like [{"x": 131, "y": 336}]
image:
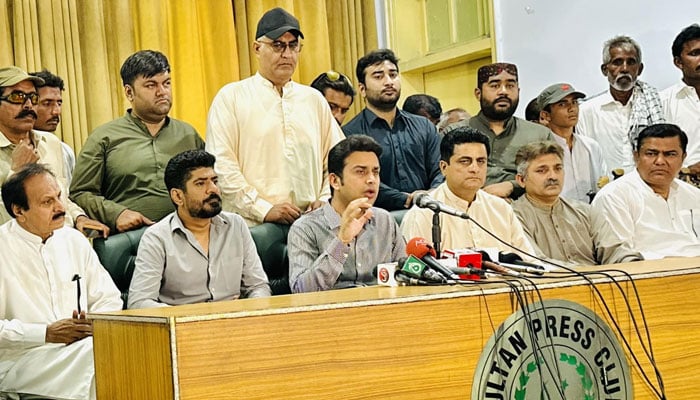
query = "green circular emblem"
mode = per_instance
[{"x": 562, "y": 350}]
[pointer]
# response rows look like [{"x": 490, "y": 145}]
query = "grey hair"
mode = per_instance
[
  {"x": 533, "y": 150},
  {"x": 624, "y": 42}
]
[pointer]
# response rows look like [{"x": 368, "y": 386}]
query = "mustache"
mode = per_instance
[
  {"x": 503, "y": 98},
  {"x": 25, "y": 113},
  {"x": 551, "y": 182},
  {"x": 628, "y": 76},
  {"x": 213, "y": 197},
  {"x": 58, "y": 215},
  {"x": 55, "y": 119}
]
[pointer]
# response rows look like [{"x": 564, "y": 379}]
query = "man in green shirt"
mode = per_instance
[
  {"x": 498, "y": 94},
  {"x": 118, "y": 175}
]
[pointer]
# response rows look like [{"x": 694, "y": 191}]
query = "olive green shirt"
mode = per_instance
[
  {"x": 121, "y": 166},
  {"x": 517, "y": 133}
]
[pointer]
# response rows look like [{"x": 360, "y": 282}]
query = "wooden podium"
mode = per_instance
[{"x": 375, "y": 342}]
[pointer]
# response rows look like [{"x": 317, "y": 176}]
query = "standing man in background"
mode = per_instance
[
  {"x": 270, "y": 135},
  {"x": 681, "y": 102},
  {"x": 498, "y": 92},
  {"x": 118, "y": 177},
  {"x": 410, "y": 143},
  {"x": 48, "y": 112},
  {"x": 615, "y": 118},
  {"x": 337, "y": 90}
]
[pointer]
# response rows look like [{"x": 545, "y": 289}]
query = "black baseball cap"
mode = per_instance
[{"x": 277, "y": 22}]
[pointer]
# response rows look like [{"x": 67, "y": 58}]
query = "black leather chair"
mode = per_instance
[
  {"x": 117, "y": 254},
  {"x": 271, "y": 242}
]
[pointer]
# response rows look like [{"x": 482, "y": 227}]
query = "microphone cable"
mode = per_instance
[{"x": 660, "y": 391}]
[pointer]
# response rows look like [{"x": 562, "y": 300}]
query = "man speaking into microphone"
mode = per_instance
[
  {"x": 339, "y": 244},
  {"x": 463, "y": 161}
]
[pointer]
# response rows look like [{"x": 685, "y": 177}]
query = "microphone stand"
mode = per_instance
[{"x": 436, "y": 232}]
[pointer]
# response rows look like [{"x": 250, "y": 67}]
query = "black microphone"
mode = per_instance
[
  {"x": 406, "y": 279},
  {"x": 486, "y": 263},
  {"x": 423, "y": 200},
  {"x": 516, "y": 262}
]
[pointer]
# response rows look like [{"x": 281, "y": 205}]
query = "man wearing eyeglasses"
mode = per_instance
[
  {"x": 20, "y": 145},
  {"x": 657, "y": 214},
  {"x": 271, "y": 136}
]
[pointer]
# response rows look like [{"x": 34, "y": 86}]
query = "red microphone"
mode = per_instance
[{"x": 420, "y": 248}]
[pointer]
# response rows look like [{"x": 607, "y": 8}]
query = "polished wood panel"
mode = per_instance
[{"x": 388, "y": 343}]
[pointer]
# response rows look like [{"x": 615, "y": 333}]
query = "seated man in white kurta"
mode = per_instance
[
  {"x": 464, "y": 154},
  {"x": 657, "y": 214},
  {"x": 45, "y": 338}
]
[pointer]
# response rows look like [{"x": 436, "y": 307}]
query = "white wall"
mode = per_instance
[{"x": 555, "y": 41}]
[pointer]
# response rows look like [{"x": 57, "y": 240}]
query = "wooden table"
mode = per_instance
[{"x": 375, "y": 342}]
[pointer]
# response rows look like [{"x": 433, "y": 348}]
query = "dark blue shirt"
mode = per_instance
[{"x": 410, "y": 157}]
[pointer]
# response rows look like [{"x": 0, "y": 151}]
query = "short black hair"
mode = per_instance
[
  {"x": 147, "y": 63},
  {"x": 532, "y": 111},
  {"x": 13, "y": 190},
  {"x": 460, "y": 135},
  {"x": 691, "y": 32},
  {"x": 374, "y": 57},
  {"x": 50, "y": 80},
  {"x": 416, "y": 102},
  {"x": 662, "y": 131},
  {"x": 180, "y": 167},
  {"x": 342, "y": 150},
  {"x": 341, "y": 84}
]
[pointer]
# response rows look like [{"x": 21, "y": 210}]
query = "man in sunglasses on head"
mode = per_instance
[
  {"x": 271, "y": 136},
  {"x": 20, "y": 145}
]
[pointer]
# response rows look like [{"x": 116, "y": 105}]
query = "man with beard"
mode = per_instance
[
  {"x": 498, "y": 94},
  {"x": 197, "y": 253},
  {"x": 657, "y": 214},
  {"x": 48, "y": 113},
  {"x": 615, "y": 118},
  {"x": 681, "y": 101},
  {"x": 410, "y": 143},
  {"x": 271, "y": 135},
  {"x": 559, "y": 228},
  {"x": 20, "y": 145},
  {"x": 583, "y": 158},
  {"x": 338, "y": 245},
  {"x": 118, "y": 177},
  {"x": 45, "y": 339},
  {"x": 464, "y": 153}
]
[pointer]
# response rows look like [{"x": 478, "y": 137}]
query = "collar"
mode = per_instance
[
  {"x": 140, "y": 123},
  {"x": 644, "y": 186},
  {"x": 486, "y": 123},
  {"x": 458, "y": 202},
  {"x": 176, "y": 223},
  {"x": 261, "y": 80},
  {"x": 371, "y": 117},
  {"x": 541, "y": 206},
  {"x": 35, "y": 136},
  {"x": 25, "y": 235}
]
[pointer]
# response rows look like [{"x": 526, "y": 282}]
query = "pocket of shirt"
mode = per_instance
[{"x": 690, "y": 220}]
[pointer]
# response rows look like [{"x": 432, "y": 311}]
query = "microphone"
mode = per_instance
[
  {"x": 516, "y": 262},
  {"x": 416, "y": 268},
  {"x": 486, "y": 263},
  {"x": 423, "y": 200},
  {"x": 419, "y": 248}
]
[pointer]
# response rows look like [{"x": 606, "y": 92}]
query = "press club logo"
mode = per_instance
[{"x": 576, "y": 356}]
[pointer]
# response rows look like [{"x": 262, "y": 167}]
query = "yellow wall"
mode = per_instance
[{"x": 448, "y": 73}]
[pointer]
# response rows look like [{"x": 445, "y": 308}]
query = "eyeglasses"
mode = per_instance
[
  {"x": 21, "y": 98},
  {"x": 281, "y": 47}
]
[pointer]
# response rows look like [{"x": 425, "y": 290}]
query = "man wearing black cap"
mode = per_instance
[
  {"x": 584, "y": 166},
  {"x": 271, "y": 136},
  {"x": 498, "y": 94}
]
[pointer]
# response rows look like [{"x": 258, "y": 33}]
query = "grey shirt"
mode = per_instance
[
  {"x": 564, "y": 234},
  {"x": 318, "y": 260},
  {"x": 172, "y": 268}
]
